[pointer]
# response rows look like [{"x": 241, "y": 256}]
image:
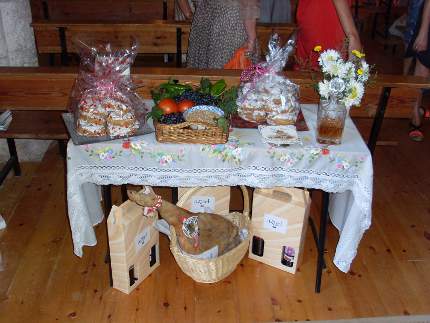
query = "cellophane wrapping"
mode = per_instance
[
  {"x": 103, "y": 100},
  {"x": 267, "y": 96}
]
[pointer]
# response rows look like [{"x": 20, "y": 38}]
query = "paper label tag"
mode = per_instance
[
  {"x": 203, "y": 204},
  {"x": 142, "y": 239},
  {"x": 275, "y": 223},
  {"x": 208, "y": 254}
]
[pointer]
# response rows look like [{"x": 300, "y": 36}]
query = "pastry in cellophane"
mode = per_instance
[
  {"x": 102, "y": 100},
  {"x": 265, "y": 95}
]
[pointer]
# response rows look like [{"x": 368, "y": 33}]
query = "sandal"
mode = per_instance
[
  {"x": 415, "y": 132},
  {"x": 424, "y": 113}
]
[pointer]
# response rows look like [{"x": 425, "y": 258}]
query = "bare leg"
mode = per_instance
[
  {"x": 420, "y": 70},
  {"x": 407, "y": 64}
]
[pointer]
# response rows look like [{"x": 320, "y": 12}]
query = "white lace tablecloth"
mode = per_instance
[{"x": 345, "y": 169}]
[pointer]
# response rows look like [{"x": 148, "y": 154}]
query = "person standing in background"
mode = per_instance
[
  {"x": 219, "y": 28},
  {"x": 419, "y": 49},
  {"x": 327, "y": 23},
  {"x": 275, "y": 11},
  {"x": 412, "y": 19}
]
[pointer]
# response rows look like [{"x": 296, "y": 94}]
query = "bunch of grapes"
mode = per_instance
[
  {"x": 172, "y": 118},
  {"x": 197, "y": 97}
]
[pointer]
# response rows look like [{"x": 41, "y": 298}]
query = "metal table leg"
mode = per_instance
[
  {"x": 124, "y": 194},
  {"x": 174, "y": 195},
  {"x": 321, "y": 239},
  {"x": 14, "y": 154},
  {"x": 107, "y": 203},
  {"x": 379, "y": 118},
  {"x": 12, "y": 162}
]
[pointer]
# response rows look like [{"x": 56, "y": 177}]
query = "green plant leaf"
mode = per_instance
[
  {"x": 218, "y": 88},
  {"x": 155, "y": 113},
  {"x": 228, "y": 101},
  {"x": 205, "y": 86},
  {"x": 223, "y": 124}
]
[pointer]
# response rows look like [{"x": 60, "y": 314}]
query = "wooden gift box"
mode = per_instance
[
  {"x": 278, "y": 226},
  {"x": 134, "y": 245},
  {"x": 206, "y": 199}
]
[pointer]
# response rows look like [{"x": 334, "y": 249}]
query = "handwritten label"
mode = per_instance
[
  {"x": 203, "y": 204},
  {"x": 208, "y": 254},
  {"x": 275, "y": 223},
  {"x": 142, "y": 239}
]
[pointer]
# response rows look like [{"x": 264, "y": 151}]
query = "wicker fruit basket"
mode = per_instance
[
  {"x": 184, "y": 133},
  {"x": 215, "y": 269}
]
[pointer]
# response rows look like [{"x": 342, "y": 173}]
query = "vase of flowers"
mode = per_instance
[{"x": 341, "y": 88}]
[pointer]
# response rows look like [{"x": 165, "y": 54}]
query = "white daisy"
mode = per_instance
[
  {"x": 328, "y": 56},
  {"x": 363, "y": 72},
  {"x": 355, "y": 92},
  {"x": 349, "y": 70},
  {"x": 334, "y": 69},
  {"x": 324, "y": 89}
]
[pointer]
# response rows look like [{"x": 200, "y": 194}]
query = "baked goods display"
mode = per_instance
[
  {"x": 206, "y": 114},
  {"x": 103, "y": 101},
  {"x": 265, "y": 95},
  {"x": 100, "y": 116}
]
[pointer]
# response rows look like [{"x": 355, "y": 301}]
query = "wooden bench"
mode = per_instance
[
  {"x": 36, "y": 114},
  {"x": 107, "y": 11},
  {"x": 38, "y": 96},
  {"x": 154, "y": 37}
]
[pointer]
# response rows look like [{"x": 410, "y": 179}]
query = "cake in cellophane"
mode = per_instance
[
  {"x": 92, "y": 117},
  {"x": 99, "y": 116},
  {"x": 121, "y": 120},
  {"x": 266, "y": 96},
  {"x": 103, "y": 100}
]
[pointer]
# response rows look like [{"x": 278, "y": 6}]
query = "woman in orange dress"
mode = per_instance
[{"x": 327, "y": 23}]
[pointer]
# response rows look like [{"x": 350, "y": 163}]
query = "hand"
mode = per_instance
[
  {"x": 421, "y": 42},
  {"x": 250, "y": 46},
  {"x": 354, "y": 44},
  {"x": 189, "y": 16}
]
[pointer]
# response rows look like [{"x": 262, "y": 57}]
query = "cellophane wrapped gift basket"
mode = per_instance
[
  {"x": 265, "y": 95},
  {"x": 103, "y": 101}
]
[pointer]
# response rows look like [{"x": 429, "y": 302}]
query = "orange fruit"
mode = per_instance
[
  {"x": 168, "y": 106},
  {"x": 185, "y": 104}
]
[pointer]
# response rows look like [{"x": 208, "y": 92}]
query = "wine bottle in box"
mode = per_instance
[
  {"x": 278, "y": 226},
  {"x": 134, "y": 245}
]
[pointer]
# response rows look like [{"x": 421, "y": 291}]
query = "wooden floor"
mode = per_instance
[{"x": 42, "y": 281}]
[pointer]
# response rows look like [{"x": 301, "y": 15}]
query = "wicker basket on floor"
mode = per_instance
[
  {"x": 216, "y": 269},
  {"x": 183, "y": 133}
]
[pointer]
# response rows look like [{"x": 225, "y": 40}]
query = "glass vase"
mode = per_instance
[{"x": 330, "y": 121}]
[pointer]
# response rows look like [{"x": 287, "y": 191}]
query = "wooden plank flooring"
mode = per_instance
[{"x": 42, "y": 281}]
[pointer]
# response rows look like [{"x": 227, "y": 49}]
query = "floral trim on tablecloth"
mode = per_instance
[
  {"x": 166, "y": 158},
  {"x": 286, "y": 157},
  {"x": 104, "y": 153},
  {"x": 137, "y": 149},
  {"x": 343, "y": 163},
  {"x": 230, "y": 152},
  {"x": 289, "y": 158}
]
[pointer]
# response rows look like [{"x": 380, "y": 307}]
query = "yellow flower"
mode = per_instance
[
  {"x": 358, "y": 53},
  {"x": 318, "y": 48},
  {"x": 360, "y": 71}
]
